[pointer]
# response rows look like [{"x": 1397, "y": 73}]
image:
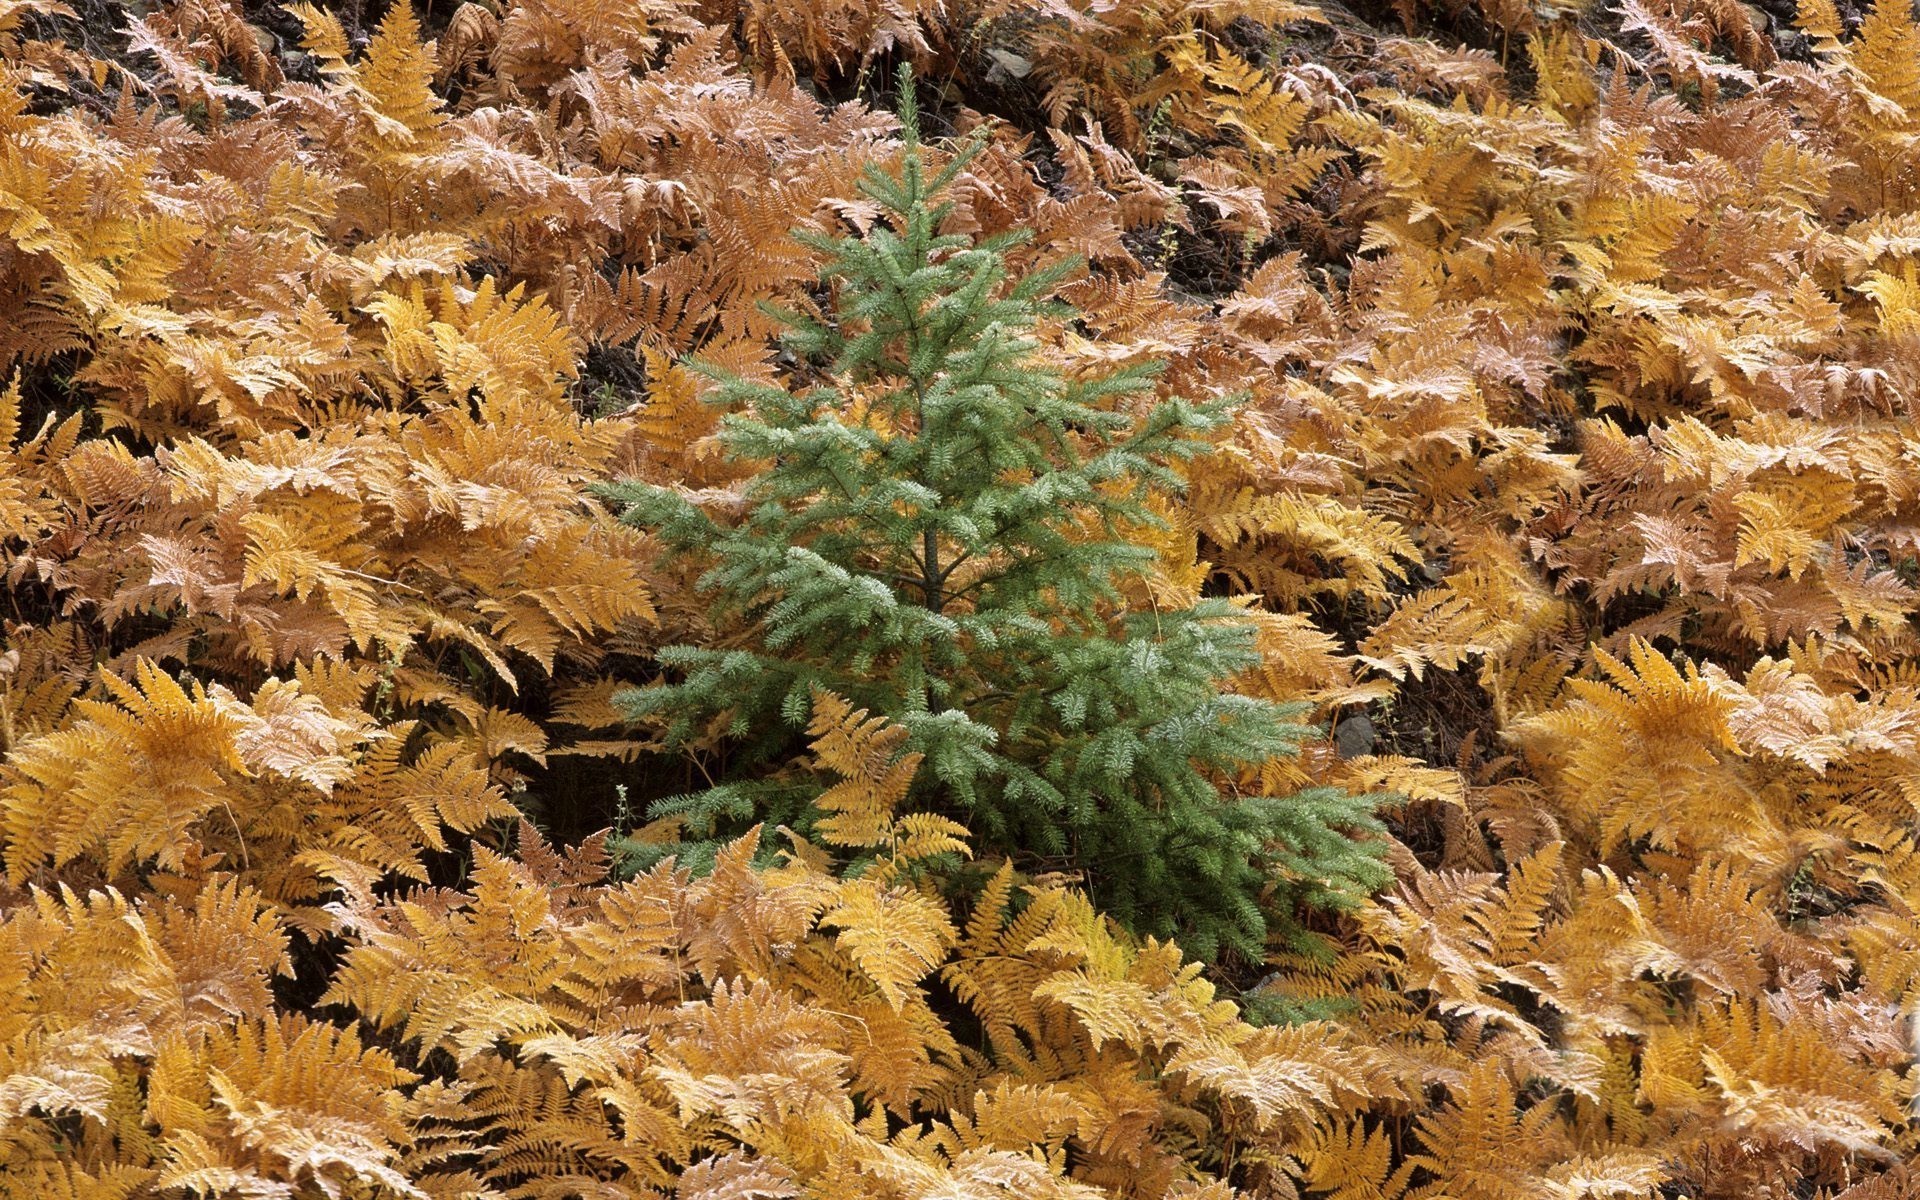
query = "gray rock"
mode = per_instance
[
  {"x": 1010, "y": 63},
  {"x": 1353, "y": 737}
]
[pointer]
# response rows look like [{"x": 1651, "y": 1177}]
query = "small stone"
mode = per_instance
[
  {"x": 1013, "y": 64},
  {"x": 1353, "y": 737}
]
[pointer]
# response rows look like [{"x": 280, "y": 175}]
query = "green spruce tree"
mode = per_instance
[{"x": 939, "y": 536}]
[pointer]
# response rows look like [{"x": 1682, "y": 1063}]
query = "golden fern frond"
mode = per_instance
[
  {"x": 865, "y": 752},
  {"x": 896, "y": 937},
  {"x": 67, "y": 1181},
  {"x": 1773, "y": 1080},
  {"x": 275, "y": 1104},
  {"x": 1348, "y": 1161},
  {"x": 1437, "y": 627},
  {"x": 396, "y": 81},
  {"x": 128, "y": 779}
]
